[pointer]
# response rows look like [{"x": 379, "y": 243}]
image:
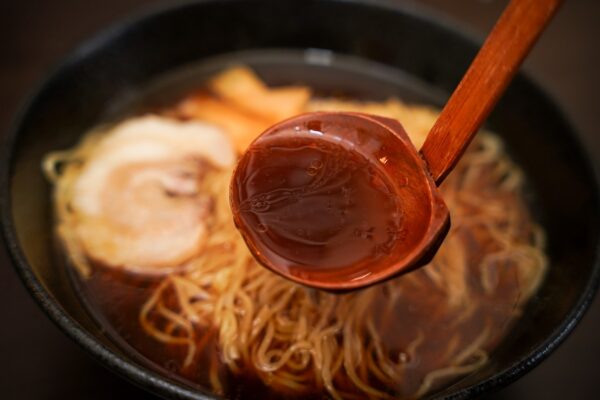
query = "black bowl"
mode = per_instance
[{"x": 321, "y": 42}]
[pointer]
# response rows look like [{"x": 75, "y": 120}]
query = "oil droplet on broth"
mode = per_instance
[{"x": 336, "y": 209}]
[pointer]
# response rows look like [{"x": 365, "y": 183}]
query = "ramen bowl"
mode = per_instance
[{"x": 363, "y": 48}]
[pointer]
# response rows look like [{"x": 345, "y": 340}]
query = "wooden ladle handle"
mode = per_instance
[{"x": 486, "y": 79}]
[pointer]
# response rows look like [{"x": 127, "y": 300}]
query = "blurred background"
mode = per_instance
[{"x": 39, "y": 362}]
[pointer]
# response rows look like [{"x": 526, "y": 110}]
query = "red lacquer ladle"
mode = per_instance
[{"x": 340, "y": 201}]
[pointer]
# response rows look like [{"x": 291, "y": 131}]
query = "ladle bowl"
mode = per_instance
[{"x": 290, "y": 208}]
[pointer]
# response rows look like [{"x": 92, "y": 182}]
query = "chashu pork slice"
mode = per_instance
[{"x": 138, "y": 201}]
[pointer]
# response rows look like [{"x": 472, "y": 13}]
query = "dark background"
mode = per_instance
[{"x": 38, "y": 362}]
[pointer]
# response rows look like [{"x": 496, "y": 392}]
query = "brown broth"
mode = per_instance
[{"x": 316, "y": 204}]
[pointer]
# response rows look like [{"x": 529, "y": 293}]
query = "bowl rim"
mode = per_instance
[{"x": 162, "y": 385}]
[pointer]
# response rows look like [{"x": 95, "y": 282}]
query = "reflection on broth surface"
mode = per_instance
[
  {"x": 327, "y": 204},
  {"x": 160, "y": 260}
]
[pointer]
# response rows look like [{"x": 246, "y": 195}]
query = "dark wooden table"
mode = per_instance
[{"x": 38, "y": 362}]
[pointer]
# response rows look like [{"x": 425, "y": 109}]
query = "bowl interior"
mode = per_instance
[{"x": 395, "y": 52}]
